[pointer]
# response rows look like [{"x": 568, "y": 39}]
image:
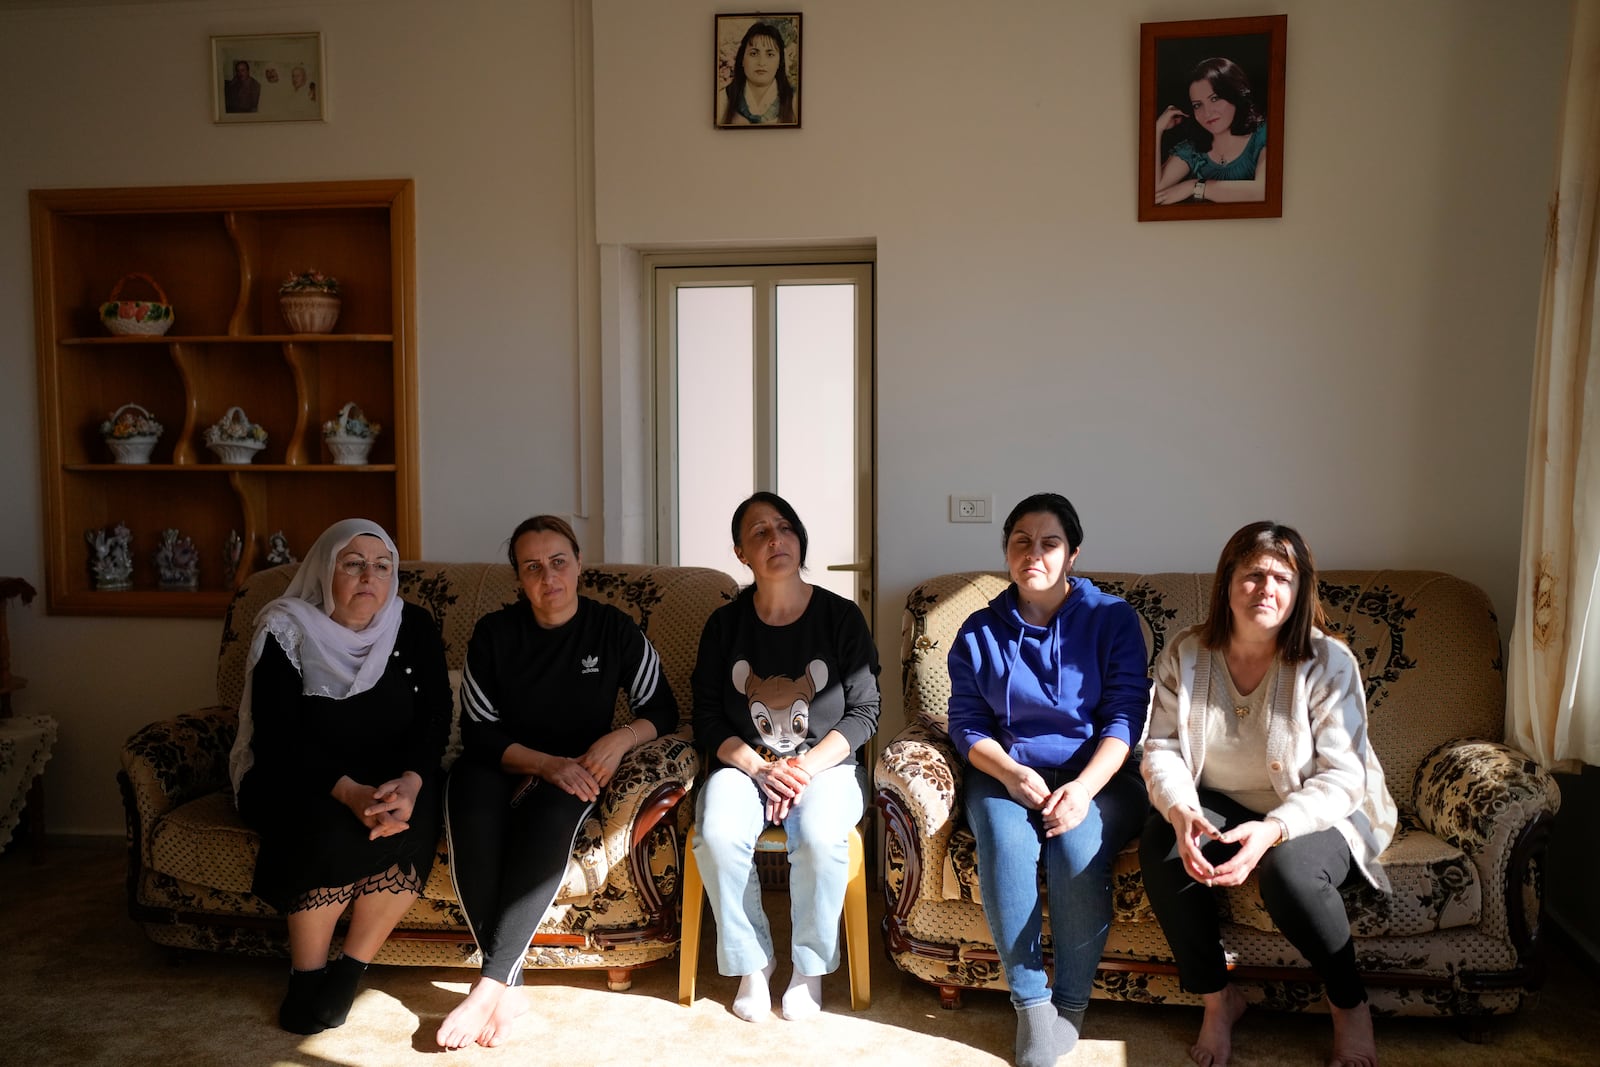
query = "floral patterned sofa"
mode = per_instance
[
  {"x": 190, "y": 857},
  {"x": 1459, "y": 936}
]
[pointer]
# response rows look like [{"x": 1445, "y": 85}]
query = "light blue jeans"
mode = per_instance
[
  {"x": 730, "y": 816},
  {"x": 1077, "y": 871}
]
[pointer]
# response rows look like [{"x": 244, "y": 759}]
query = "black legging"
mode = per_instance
[
  {"x": 507, "y": 862},
  {"x": 1300, "y": 881}
]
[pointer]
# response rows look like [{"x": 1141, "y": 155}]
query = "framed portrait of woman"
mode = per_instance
[
  {"x": 1211, "y": 118},
  {"x": 757, "y": 72}
]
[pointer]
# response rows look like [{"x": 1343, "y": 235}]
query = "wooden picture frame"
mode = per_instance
[
  {"x": 765, "y": 94},
  {"x": 268, "y": 77},
  {"x": 1185, "y": 169}
]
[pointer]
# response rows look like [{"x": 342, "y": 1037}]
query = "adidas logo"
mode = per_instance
[{"x": 591, "y": 664}]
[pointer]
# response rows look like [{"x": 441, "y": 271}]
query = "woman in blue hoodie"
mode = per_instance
[{"x": 1048, "y": 696}]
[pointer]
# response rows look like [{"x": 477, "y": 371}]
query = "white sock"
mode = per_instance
[
  {"x": 754, "y": 1001},
  {"x": 803, "y": 998}
]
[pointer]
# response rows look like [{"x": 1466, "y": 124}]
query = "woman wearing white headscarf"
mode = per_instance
[{"x": 344, "y": 718}]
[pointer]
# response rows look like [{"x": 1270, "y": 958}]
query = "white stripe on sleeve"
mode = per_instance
[
  {"x": 474, "y": 702},
  {"x": 647, "y": 677}
]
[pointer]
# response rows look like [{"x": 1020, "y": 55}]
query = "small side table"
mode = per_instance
[{"x": 25, "y": 744}]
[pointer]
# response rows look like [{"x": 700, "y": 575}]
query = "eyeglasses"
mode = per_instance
[{"x": 381, "y": 569}]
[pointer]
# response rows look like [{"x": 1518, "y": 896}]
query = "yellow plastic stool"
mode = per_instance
[{"x": 773, "y": 839}]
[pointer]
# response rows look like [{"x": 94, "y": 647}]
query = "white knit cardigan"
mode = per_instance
[{"x": 1318, "y": 756}]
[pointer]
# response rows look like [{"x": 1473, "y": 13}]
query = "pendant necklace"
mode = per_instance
[{"x": 1246, "y": 705}]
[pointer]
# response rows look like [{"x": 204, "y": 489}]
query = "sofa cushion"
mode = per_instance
[
  {"x": 1435, "y": 888},
  {"x": 206, "y": 843}
]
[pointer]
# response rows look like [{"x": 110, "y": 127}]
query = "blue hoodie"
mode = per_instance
[{"x": 1049, "y": 694}]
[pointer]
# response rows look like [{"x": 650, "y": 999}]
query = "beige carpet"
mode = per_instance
[{"x": 80, "y": 984}]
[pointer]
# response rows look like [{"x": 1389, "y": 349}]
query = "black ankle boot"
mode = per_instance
[
  {"x": 297, "y": 1013},
  {"x": 339, "y": 991}
]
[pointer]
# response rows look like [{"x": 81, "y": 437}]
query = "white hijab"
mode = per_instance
[{"x": 333, "y": 660}]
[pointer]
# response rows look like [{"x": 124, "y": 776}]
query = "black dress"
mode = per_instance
[{"x": 304, "y": 744}]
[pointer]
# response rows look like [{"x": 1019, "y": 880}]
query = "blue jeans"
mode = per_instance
[
  {"x": 1077, "y": 867},
  {"x": 731, "y": 815}
]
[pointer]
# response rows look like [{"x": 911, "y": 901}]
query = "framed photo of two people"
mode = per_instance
[
  {"x": 267, "y": 77},
  {"x": 1211, "y": 118}
]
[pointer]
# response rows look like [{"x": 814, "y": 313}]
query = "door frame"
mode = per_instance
[{"x": 731, "y": 266}]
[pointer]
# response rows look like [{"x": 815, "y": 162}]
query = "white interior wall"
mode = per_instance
[
  {"x": 474, "y": 100},
  {"x": 1359, "y": 367}
]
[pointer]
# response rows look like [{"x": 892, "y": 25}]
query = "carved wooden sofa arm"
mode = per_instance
[{"x": 918, "y": 789}]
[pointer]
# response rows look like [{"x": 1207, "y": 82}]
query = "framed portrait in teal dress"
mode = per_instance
[{"x": 1211, "y": 112}]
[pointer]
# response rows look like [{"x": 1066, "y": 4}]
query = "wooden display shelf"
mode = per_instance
[
  {"x": 212, "y": 467},
  {"x": 261, "y": 338},
  {"x": 218, "y": 253},
  {"x": 146, "y": 602}
]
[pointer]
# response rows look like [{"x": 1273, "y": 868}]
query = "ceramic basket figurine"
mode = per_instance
[
  {"x": 131, "y": 434},
  {"x": 137, "y": 318},
  {"x": 234, "y": 438},
  {"x": 309, "y": 302},
  {"x": 350, "y": 436}
]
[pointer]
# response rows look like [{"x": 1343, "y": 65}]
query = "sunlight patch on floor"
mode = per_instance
[{"x": 1101, "y": 1053}]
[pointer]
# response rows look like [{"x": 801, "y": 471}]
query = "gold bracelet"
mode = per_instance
[
  {"x": 1283, "y": 830},
  {"x": 634, "y": 733}
]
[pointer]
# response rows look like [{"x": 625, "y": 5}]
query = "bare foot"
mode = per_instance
[
  {"x": 1353, "y": 1042},
  {"x": 1215, "y": 1043},
  {"x": 513, "y": 1005},
  {"x": 463, "y": 1025}
]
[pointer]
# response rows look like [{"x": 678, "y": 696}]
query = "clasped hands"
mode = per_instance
[
  {"x": 781, "y": 782},
  {"x": 384, "y": 810},
  {"x": 1061, "y": 809},
  {"x": 1253, "y": 839},
  {"x": 585, "y": 776}
]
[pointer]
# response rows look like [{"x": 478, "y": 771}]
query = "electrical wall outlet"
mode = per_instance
[{"x": 966, "y": 508}]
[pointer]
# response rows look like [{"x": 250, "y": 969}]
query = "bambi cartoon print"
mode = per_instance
[{"x": 781, "y": 707}]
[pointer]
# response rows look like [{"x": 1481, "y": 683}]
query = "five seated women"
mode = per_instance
[{"x": 1257, "y": 759}]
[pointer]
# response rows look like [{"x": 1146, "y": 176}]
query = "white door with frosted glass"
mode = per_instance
[{"x": 766, "y": 377}]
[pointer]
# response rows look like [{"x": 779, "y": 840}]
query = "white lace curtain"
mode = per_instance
[{"x": 1553, "y": 700}]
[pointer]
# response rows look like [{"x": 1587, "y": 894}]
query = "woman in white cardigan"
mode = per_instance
[{"x": 1258, "y": 760}]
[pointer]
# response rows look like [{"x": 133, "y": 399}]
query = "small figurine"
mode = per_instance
[
  {"x": 232, "y": 552},
  {"x": 278, "y": 550},
  {"x": 111, "y": 558},
  {"x": 177, "y": 562}
]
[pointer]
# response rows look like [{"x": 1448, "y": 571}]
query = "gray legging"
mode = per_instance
[
  {"x": 507, "y": 861},
  {"x": 1300, "y": 882}
]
